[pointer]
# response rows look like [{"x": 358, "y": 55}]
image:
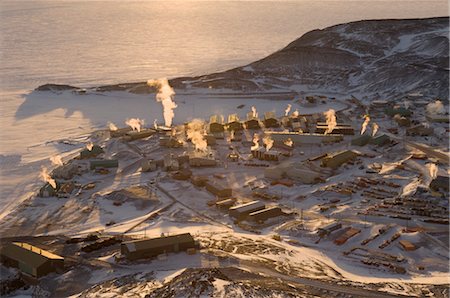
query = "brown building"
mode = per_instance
[
  {"x": 265, "y": 214},
  {"x": 243, "y": 210},
  {"x": 270, "y": 120},
  {"x": 148, "y": 248},
  {"x": 216, "y": 124},
  {"x": 30, "y": 259},
  {"x": 234, "y": 124},
  {"x": 218, "y": 189}
]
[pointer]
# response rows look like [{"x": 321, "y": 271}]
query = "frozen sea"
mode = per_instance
[{"x": 89, "y": 43}]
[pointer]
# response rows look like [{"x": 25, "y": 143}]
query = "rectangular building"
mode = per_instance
[
  {"x": 30, "y": 259},
  {"x": 218, "y": 189},
  {"x": 243, "y": 210},
  {"x": 140, "y": 249},
  {"x": 265, "y": 214}
]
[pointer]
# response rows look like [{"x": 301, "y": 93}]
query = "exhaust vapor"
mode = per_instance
[
  {"x": 288, "y": 109},
  {"x": 165, "y": 96},
  {"x": 135, "y": 123},
  {"x": 330, "y": 117},
  {"x": 45, "y": 176},
  {"x": 365, "y": 123}
]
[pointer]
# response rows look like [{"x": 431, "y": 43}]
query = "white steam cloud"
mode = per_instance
[
  {"x": 45, "y": 176},
  {"x": 255, "y": 142},
  {"x": 365, "y": 123},
  {"x": 254, "y": 112},
  {"x": 330, "y": 118},
  {"x": 135, "y": 123},
  {"x": 56, "y": 160},
  {"x": 435, "y": 108},
  {"x": 196, "y": 133},
  {"x": 267, "y": 140},
  {"x": 165, "y": 96},
  {"x": 112, "y": 126},
  {"x": 375, "y": 128},
  {"x": 288, "y": 109},
  {"x": 288, "y": 142},
  {"x": 89, "y": 146}
]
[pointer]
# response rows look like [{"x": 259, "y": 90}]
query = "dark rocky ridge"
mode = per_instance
[{"x": 377, "y": 58}]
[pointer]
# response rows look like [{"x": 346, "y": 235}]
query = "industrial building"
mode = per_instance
[
  {"x": 328, "y": 229},
  {"x": 218, "y": 189},
  {"x": 140, "y": 249},
  {"x": 438, "y": 118},
  {"x": 419, "y": 130},
  {"x": 265, "y": 214},
  {"x": 344, "y": 130},
  {"x": 202, "y": 162},
  {"x": 406, "y": 245},
  {"x": 216, "y": 124},
  {"x": 440, "y": 183},
  {"x": 30, "y": 259},
  {"x": 48, "y": 191},
  {"x": 262, "y": 154},
  {"x": 252, "y": 122},
  {"x": 94, "y": 152},
  {"x": 148, "y": 165},
  {"x": 336, "y": 160},
  {"x": 170, "y": 163},
  {"x": 380, "y": 140},
  {"x": 136, "y": 135},
  {"x": 234, "y": 124},
  {"x": 270, "y": 120},
  {"x": 225, "y": 204},
  {"x": 120, "y": 132},
  {"x": 361, "y": 140},
  {"x": 169, "y": 142},
  {"x": 242, "y": 211},
  {"x": 293, "y": 171},
  {"x": 103, "y": 163},
  {"x": 304, "y": 138},
  {"x": 347, "y": 235}
]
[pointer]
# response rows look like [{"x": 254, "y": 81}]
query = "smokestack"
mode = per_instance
[
  {"x": 45, "y": 176},
  {"x": 365, "y": 123},
  {"x": 56, "y": 160},
  {"x": 165, "y": 96},
  {"x": 135, "y": 123},
  {"x": 288, "y": 109},
  {"x": 330, "y": 117}
]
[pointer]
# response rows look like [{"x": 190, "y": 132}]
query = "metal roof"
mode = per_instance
[
  {"x": 247, "y": 206},
  {"x": 28, "y": 254},
  {"x": 158, "y": 242}
]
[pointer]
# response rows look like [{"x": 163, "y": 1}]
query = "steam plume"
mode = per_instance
[
  {"x": 135, "y": 123},
  {"x": 255, "y": 142},
  {"x": 267, "y": 140},
  {"x": 330, "y": 117},
  {"x": 155, "y": 124},
  {"x": 435, "y": 108},
  {"x": 196, "y": 132},
  {"x": 56, "y": 160},
  {"x": 89, "y": 146},
  {"x": 288, "y": 109},
  {"x": 375, "y": 128},
  {"x": 288, "y": 142},
  {"x": 165, "y": 96},
  {"x": 254, "y": 112},
  {"x": 45, "y": 176},
  {"x": 112, "y": 126},
  {"x": 365, "y": 123},
  {"x": 433, "y": 170},
  {"x": 295, "y": 113}
]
